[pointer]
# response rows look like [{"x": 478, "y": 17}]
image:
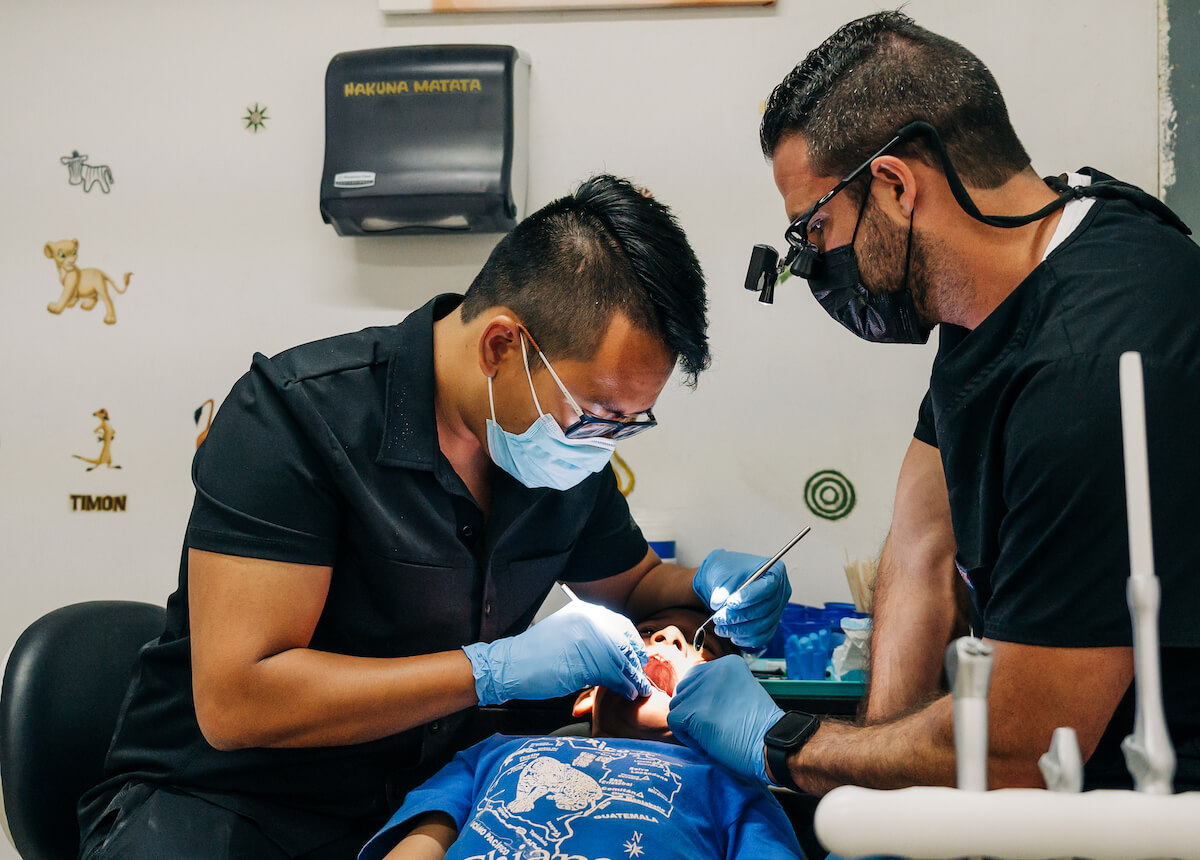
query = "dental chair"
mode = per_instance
[
  {"x": 1062, "y": 821},
  {"x": 64, "y": 683}
]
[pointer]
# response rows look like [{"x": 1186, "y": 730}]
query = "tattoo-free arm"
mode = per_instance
[
  {"x": 1034, "y": 690},
  {"x": 429, "y": 839},
  {"x": 256, "y": 682},
  {"x": 915, "y": 608},
  {"x": 640, "y": 591}
]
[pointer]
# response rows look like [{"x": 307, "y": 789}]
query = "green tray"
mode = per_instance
[{"x": 814, "y": 689}]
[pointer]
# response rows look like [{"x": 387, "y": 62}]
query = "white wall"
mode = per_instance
[{"x": 221, "y": 230}]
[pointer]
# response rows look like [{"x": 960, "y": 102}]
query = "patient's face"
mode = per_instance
[{"x": 668, "y": 637}]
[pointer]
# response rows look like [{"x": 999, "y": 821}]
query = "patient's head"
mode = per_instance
[{"x": 668, "y": 636}]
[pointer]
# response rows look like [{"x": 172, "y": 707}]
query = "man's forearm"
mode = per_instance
[
  {"x": 914, "y": 750},
  {"x": 305, "y": 698},
  {"x": 915, "y": 615},
  {"x": 663, "y": 585},
  {"x": 915, "y": 608}
]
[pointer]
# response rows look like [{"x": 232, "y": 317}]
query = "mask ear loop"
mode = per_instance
[
  {"x": 908, "y": 248},
  {"x": 862, "y": 208},
  {"x": 528, "y": 375},
  {"x": 546, "y": 364}
]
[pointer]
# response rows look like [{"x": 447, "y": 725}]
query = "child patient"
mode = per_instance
[{"x": 629, "y": 791}]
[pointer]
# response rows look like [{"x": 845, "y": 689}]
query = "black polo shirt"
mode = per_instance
[
  {"x": 327, "y": 454},
  {"x": 1025, "y": 411}
]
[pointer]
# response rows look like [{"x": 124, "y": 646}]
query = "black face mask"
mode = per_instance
[
  {"x": 887, "y": 318},
  {"x": 880, "y": 318}
]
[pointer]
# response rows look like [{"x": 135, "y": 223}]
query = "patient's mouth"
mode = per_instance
[{"x": 661, "y": 673}]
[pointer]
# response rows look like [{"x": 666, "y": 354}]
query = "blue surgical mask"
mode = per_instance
[{"x": 542, "y": 456}]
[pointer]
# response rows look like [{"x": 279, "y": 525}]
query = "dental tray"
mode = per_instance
[{"x": 814, "y": 689}]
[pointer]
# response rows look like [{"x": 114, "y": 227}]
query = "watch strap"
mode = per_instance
[
  {"x": 783, "y": 739},
  {"x": 777, "y": 764}
]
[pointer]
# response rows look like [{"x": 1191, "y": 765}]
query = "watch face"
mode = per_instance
[{"x": 793, "y": 728}]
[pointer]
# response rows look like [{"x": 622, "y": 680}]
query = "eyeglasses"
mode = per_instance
[
  {"x": 589, "y": 426},
  {"x": 802, "y": 253},
  {"x": 801, "y": 259}
]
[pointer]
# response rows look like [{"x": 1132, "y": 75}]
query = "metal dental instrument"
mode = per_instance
[{"x": 698, "y": 639}]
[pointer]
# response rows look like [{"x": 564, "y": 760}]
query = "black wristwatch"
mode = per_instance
[{"x": 790, "y": 733}]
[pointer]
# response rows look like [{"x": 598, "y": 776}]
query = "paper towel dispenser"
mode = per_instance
[{"x": 426, "y": 139}]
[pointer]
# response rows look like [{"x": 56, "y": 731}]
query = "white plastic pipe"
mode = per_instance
[
  {"x": 969, "y": 670},
  {"x": 1148, "y": 751},
  {"x": 1013, "y": 823},
  {"x": 1062, "y": 765}
]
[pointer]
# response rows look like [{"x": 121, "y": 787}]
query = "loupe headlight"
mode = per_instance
[
  {"x": 763, "y": 272},
  {"x": 766, "y": 270}
]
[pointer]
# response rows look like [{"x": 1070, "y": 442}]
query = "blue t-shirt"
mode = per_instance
[{"x": 522, "y": 798}]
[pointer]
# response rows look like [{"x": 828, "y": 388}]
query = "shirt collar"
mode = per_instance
[{"x": 410, "y": 424}]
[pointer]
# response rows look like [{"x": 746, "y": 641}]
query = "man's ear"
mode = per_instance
[
  {"x": 500, "y": 336},
  {"x": 898, "y": 182},
  {"x": 585, "y": 703}
]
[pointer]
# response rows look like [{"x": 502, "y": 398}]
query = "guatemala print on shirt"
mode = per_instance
[
  {"x": 549, "y": 791},
  {"x": 575, "y": 798}
]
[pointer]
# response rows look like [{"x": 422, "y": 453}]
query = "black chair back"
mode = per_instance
[{"x": 63, "y": 688}]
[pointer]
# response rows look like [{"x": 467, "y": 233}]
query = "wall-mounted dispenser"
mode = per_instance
[{"x": 426, "y": 139}]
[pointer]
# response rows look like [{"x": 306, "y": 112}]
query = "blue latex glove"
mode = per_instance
[
  {"x": 751, "y": 617},
  {"x": 721, "y": 710},
  {"x": 579, "y": 646}
]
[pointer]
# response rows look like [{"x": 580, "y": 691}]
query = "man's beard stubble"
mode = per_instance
[{"x": 931, "y": 277}]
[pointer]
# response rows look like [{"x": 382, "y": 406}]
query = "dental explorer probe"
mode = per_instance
[{"x": 698, "y": 640}]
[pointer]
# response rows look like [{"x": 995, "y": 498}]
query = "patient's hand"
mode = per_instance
[{"x": 430, "y": 838}]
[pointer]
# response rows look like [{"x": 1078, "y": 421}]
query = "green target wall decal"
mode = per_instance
[{"x": 829, "y": 494}]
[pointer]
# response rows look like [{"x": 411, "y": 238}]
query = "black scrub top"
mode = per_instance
[
  {"x": 327, "y": 454},
  {"x": 1025, "y": 411}
]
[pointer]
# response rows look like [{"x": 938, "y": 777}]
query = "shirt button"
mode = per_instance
[
  {"x": 487, "y": 608},
  {"x": 434, "y": 727},
  {"x": 466, "y": 532}
]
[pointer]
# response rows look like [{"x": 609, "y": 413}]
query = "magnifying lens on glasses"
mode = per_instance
[{"x": 766, "y": 270}]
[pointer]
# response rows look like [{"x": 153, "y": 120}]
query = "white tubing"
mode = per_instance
[
  {"x": 1148, "y": 751},
  {"x": 969, "y": 670},
  {"x": 1062, "y": 765},
  {"x": 1013, "y": 823},
  {"x": 1137, "y": 470},
  {"x": 971, "y": 743}
]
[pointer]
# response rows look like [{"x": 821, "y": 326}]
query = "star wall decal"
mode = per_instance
[{"x": 256, "y": 118}]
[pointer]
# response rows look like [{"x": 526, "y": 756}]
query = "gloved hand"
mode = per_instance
[
  {"x": 580, "y": 645},
  {"x": 719, "y": 709},
  {"x": 751, "y": 617}
]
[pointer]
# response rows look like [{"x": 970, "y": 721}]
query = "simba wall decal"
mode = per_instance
[
  {"x": 84, "y": 287},
  {"x": 79, "y": 172},
  {"x": 104, "y": 435}
]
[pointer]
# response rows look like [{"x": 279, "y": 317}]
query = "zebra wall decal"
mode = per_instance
[{"x": 79, "y": 172}]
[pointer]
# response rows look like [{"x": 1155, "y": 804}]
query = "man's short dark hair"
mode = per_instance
[
  {"x": 877, "y": 74},
  {"x": 607, "y": 248}
]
